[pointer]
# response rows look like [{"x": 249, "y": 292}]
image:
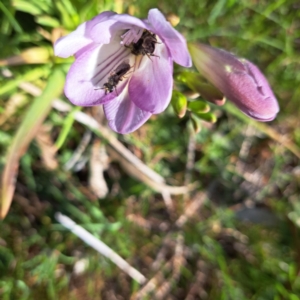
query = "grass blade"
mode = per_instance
[{"x": 28, "y": 128}]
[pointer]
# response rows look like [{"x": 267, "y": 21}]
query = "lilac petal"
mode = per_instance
[
  {"x": 127, "y": 19},
  {"x": 123, "y": 115},
  {"x": 90, "y": 71},
  {"x": 258, "y": 102},
  {"x": 72, "y": 43},
  {"x": 85, "y": 49},
  {"x": 98, "y": 27},
  {"x": 175, "y": 42},
  {"x": 98, "y": 19},
  {"x": 104, "y": 31},
  {"x": 80, "y": 38},
  {"x": 150, "y": 87}
]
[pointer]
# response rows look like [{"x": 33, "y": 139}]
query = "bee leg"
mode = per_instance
[
  {"x": 127, "y": 74},
  {"x": 149, "y": 56},
  {"x": 99, "y": 88},
  {"x": 155, "y": 55}
]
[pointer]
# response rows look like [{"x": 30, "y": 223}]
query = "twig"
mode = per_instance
[
  {"x": 191, "y": 209},
  {"x": 131, "y": 163},
  {"x": 154, "y": 282},
  {"x": 198, "y": 286},
  {"x": 100, "y": 247},
  {"x": 157, "y": 186},
  {"x": 99, "y": 162},
  {"x": 167, "y": 244},
  {"x": 267, "y": 130},
  {"x": 93, "y": 124},
  {"x": 107, "y": 135},
  {"x": 190, "y": 159},
  {"x": 79, "y": 150},
  {"x": 159, "y": 285},
  {"x": 168, "y": 202}
]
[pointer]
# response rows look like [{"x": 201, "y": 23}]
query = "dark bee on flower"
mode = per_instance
[
  {"x": 115, "y": 77},
  {"x": 145, "y": 45}
]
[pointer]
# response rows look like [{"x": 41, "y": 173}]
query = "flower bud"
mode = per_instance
[
  {"x": 179, "y": 103},
  {"x": 238, "y": 79},
  {"x": 198, "y": 107},
  {"x": 195, "y": 122},
  {"x": 208, "y": 117}
]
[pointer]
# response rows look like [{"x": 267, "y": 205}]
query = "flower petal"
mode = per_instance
[
  {"x": 150, "y": 87},
  {"x": 99, "y": 18},
  {"x": 104, "y": 31},
  {"x": 90, "y": 71},
  {"x": 127, "y": 19},
  {"x": 258, "y": 102},
  {"x": 175, "y": 42},
  {"x": 80, "y": 38},
  {"x": 123, "y": 115},
  {"x": 72, "y": 43}
]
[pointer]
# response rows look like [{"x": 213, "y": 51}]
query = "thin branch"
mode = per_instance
[
  {"x": 99, "y": 246},
  {"x": 87, "y": 136},
  {"x": 190, "y": 158},
  {"x": 191, "y": 209},
  {"x": 128, "y": 160},
  {"x": 107, "y": 135}
]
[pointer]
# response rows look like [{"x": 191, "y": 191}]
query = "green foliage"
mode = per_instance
[{"x": 235, "y": 162}]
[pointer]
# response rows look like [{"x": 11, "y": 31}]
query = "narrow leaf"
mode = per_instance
[{"x": 26, "y": 132}]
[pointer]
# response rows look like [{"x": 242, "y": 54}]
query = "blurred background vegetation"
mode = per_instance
[{"x": 234, "y": 235}]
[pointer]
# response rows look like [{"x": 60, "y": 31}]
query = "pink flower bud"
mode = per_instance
[{"x": 238, "y": 79}]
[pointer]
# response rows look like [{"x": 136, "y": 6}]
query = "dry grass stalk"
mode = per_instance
[
  {"x": 47, "y": 147},
  {"x": 161, "y": 284},
  {"x": 197, "y": 288},
  {"x": 12, "y": 105},
  {"x": 79, "y": 150},
  {"x": 130, "y": 162},
  {"x": 99, "y": 246},
  {"x": 191, "y": 209},
  {"x": 98, "y": 164},
  {"x": 139, "y": 221}
]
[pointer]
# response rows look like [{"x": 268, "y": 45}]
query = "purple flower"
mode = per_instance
[
  {"x": 238, "y": 79},
  {"x": 124, "y": 63}
]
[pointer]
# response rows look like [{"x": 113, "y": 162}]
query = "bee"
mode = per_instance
[
  {"x": 115, "y": 77},
  {"x": 145, "y": 45}
]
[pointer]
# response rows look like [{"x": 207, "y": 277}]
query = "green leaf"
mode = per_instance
[
  {"x": 65, "y": 16},
  {"x": 67, "y": 126},
  {"x": 47, "y": 21},
  {"x": 29, "y": 76},
  {"x": 216, "y": 11},
  {"x": 27, "y": 7},
  {"x": 34, "y": 117},
  {"x": 14, "y": 23}
]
